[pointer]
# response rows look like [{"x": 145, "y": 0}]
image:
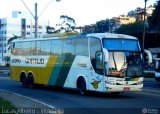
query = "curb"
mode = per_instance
[{"x": 20, "y": 101}]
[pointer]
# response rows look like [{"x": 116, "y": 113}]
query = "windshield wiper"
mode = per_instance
[{"x": 114, "y": 60}]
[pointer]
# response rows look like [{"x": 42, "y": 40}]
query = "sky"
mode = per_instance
[{"x": 85, "y": 12}]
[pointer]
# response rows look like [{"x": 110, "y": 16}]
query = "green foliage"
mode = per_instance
[
  {"x": 134, "y": 29},
  {"x": 50, "y": 30},
  {"x": 7, "y": 58},
  {"x": 5, "y": 104},
  {"x": 154, "y": 20},
  {"x": 68, "y": 24},
  {"x": 100, "y": 27},
  {"x": 13, "y": 38}
]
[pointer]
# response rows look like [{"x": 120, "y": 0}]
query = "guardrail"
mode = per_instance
[{"x": 4, "y": 71}]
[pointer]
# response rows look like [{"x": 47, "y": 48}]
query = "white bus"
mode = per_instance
[{"x": 101, "y": 62}]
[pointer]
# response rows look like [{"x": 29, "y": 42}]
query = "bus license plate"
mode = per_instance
[{"x": 126, "y": 89}]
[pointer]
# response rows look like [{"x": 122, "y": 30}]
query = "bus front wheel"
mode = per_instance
[
  {"x": 81, "y": 85},
  {"x": 114, "y": 94}
]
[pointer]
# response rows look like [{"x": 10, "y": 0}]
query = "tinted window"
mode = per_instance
[
  {"x": 82, "y": 47},
  {"x": 45, "y": 47},
  {"x": 95, "y": 45},
  {"x": 18, "y": 48},
  {"x": 28, "y": 48},
  {"x": 69, "y": 47},
  {"x": 121, "y": 44},
  {"x": 95, "y": 48},
  {"x": 56, "y": 47}
]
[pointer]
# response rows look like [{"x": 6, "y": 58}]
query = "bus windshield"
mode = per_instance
[{"x": 124, "y": 58}]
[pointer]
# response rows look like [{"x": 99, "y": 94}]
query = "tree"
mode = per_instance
[
  {"x": 89, "y": 28},
  {"x": 154, "y": 20},
  {"x": 50, "y": 30},
  {"x": 11, "y": 39},
  {"x": 100, "y": 27},
  {"x": 133, "y": 29},
  {"x": 68, "y": 24}
]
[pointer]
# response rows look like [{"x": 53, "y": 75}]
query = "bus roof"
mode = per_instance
[
  {"x": 110, "y": 35},
  {"x": 102, "y": 35},
  {"x": 83, "y": 35}
]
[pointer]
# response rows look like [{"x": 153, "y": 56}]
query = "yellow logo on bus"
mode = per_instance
[{"x": 95, "y": 84}]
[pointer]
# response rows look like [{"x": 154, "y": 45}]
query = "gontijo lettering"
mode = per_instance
[{"x": 34, "y": 61}]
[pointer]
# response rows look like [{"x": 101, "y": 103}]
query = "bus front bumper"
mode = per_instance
[{"x": 124, "y": 88}]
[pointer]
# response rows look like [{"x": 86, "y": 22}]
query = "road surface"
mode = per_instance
[{"x": 72, "y": 102}]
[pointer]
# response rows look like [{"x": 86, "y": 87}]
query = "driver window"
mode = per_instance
[{"x": 95, "y": 46}]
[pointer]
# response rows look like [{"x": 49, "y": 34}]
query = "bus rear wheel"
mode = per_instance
[
  {"x": 30, "y": 80},
  {"x": 81, "y": 84},
  {"x": 24, "y": 81}
]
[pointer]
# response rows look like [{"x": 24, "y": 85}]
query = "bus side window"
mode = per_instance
[
  {"x": 68, "y": 47},
  {"x": 18, "y": 48},
  {"x": 82, "y": 46},
  {"x": 45, "y": 47},
  {"x": 42, "y": 48},
  {"x": 26, "y": 47},
  {"x": 56, "y": 47}
]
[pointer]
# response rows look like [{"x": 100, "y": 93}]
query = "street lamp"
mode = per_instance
[
  {"x": 36, "y": 16},
  {"x": 144, "y": 31},
  {"x": 144, "y": 25}
]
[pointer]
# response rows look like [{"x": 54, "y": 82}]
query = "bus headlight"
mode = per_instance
[{"x": 111, "y": 83}]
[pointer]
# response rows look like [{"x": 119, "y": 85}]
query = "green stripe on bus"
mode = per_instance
[
  {"x": 65, "y": 70},
  {"x": 56, "y": 69}
]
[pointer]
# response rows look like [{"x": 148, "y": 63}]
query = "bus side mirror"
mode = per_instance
[
  {"x": 106, "y": 55},
  {"x": 149, "y": 56},
  {"x": 99, "y": 55},
  {"x": 99, "y": 60}
]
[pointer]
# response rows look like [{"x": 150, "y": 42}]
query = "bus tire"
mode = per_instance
[
  {"x": 81, "y": 85},
  {"x": 30, "y": 80},
  {"x": 23, "y": 80},
  {"x": 114, "y": 94}
]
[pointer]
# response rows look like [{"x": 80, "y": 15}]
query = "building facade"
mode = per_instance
[
  {"x": 8, "y": 28},
  {"x": 116, "y": 22},
  {"x": 138, "y": 13},
  {"x": 17, "y": 25}
]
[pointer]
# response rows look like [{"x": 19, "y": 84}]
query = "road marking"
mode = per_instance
[
  {"x": 152, "y": 90},
  {"x": 50, "y": 106},
  {"x": 149, "y": 92},
  {"x": 4, "y": 78}
]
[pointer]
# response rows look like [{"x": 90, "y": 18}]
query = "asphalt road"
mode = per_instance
[{"x": 72, "y": 102}]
